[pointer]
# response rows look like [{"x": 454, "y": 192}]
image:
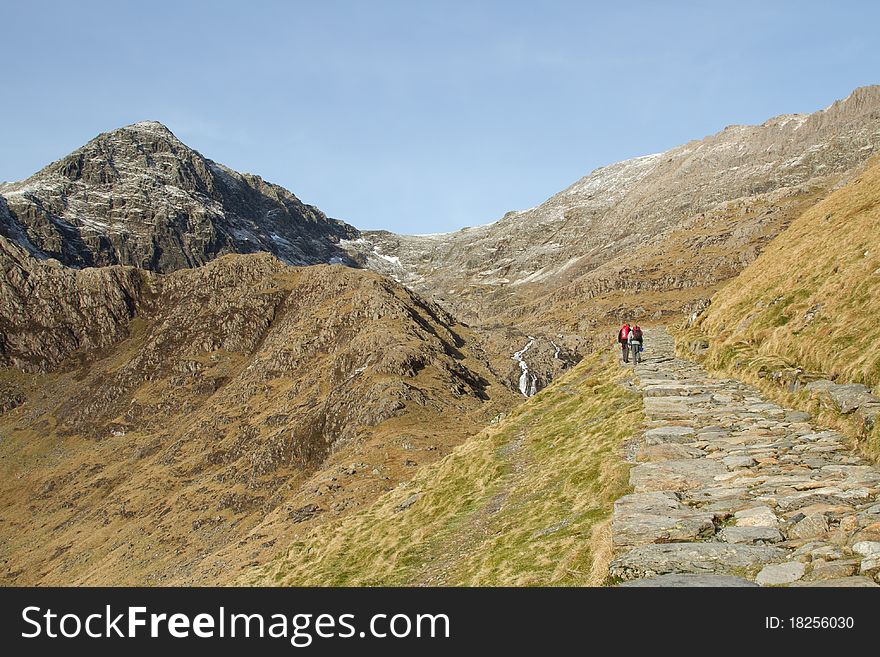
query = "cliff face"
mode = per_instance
[
  {"x": 636, "y": 226},
  {"x": 138, "y": 196},
  {"x": 50, "y": 311}
]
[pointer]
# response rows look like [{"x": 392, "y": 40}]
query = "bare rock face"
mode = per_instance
[
  {"x": 348, "y": 338},
  {"x": 50, "y": 311},
  {"x": 138, "y": 196},
  {"x": 673, "y": 224}
]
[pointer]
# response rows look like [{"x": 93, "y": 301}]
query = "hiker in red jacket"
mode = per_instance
[{"x": 622, "y": 337}]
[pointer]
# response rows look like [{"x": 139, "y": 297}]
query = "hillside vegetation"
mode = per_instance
[
  {"x": 808, "y": 307},
  {"x": 244, "y": 401},
  {"x": 525, "y": 502}
]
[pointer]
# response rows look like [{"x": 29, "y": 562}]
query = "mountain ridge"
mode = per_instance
[{"x": 574, "y": 237}]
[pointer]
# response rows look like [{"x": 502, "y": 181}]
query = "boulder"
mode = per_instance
[
  {"x": 674, "y": 475},
  {"x": 848, "y": 398},
  {"x": 696, "y": 558},
  {"x": 689, "y": 580},
  {"x": 867, "y": 415},
  {"x": 657, "y": 517},
  {"x": 781, "y": 573}
]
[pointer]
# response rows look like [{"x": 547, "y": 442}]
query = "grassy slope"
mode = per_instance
[
  {"x": 810, "y": 301},
  {"x": 525, "y": 502}
]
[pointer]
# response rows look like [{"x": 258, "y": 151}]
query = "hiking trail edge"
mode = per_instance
[{"x": 733, "y": 490}]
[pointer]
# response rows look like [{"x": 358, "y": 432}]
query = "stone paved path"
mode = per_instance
[{"x": 733, "y": 490}]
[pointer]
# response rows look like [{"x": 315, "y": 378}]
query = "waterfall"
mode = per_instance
[{"x": 528, "y": 382}]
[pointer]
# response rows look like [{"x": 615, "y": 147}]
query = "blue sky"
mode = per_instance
[{"x": 419, "y": 116}]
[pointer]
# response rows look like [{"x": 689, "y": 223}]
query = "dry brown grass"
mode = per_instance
[
  {"x": 525, "y": 502},
  {"x": 810, "y": 301}
]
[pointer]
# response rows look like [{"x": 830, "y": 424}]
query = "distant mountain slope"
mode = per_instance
[
  {"x": 139, "y": 196},
  {"x": 624, "y": 238},
  {"x": 182, "y": 410}
]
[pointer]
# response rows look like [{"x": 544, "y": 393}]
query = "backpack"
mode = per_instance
[
  {"x": 637, "y": 335},
  {"x": 624, "y": 333}
]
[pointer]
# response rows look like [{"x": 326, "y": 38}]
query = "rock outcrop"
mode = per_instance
[
  {"x": 848, "y": 399},
  {"x": 51, "y": 311}
]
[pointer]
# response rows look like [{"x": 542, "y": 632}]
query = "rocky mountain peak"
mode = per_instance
[
  {"x": 149, "y": 126},
  {"x": 139, "y": 196},
  {"x": 145, "y": 131}
]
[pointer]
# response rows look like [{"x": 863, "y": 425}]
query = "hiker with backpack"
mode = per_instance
[
  {"x": 623, "y": 340},
  {"x": 636, "y": 343}
]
